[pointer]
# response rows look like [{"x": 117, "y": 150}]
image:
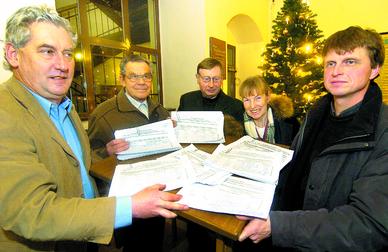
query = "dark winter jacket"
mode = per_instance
[{"x": 345, "y": 204}]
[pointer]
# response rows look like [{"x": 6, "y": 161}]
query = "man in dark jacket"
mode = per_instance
[
  {"x": 210, "y": 97},
  {"x": 132, "y": 107},
  {"x": 333, "y": 196}
]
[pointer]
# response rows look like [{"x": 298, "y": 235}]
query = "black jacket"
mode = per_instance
[
  {"x": 194, "y": 101},
  {"x": 345, "y": 204}
]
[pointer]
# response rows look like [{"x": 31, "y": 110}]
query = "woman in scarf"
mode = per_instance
[{"x": 267, "y": 117}]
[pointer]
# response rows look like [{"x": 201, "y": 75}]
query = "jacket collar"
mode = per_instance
[
  {"x": 123, "y": 104},
  {"x": 220, "y": 100},
  {"x": 28, "y": 101},
  {"x": 365, "y": 120}
]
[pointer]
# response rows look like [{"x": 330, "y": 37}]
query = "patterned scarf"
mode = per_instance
[{"x": 252, "y": 130}]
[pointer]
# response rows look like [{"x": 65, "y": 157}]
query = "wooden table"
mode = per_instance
[{"x": 227, "y": 227}]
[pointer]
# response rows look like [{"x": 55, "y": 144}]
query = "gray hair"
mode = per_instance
[
  {"x": 132, "y": 58},
  {"x": 18, "y": 33}
]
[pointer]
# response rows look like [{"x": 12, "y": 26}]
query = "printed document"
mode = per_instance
[
  {"x": 258, "y": 163},
  {"x": 131, "y": 178},
  {"x": 148, "y": 139},
  {"x": 199, "y": 126},
  {"x": 204, "y": 175},
  {"x": 252, "y": 159},
  {"x": 235, "y": 195}
]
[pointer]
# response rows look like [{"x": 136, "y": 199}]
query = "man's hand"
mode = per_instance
[
  {"x": 116, "y": 145},
  {"x": 152, "y": 201},
  {"x": 256, "y": 229}
]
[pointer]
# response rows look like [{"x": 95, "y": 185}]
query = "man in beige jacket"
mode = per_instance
[{"x": 47, "y": 199}]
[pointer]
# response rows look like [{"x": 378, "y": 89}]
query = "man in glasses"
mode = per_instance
[
  {"x": 210, "y": 97},
  {"x": 132, "y": 107}
]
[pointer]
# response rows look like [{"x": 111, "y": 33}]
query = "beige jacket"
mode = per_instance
[{"x": 41, "y": 203}]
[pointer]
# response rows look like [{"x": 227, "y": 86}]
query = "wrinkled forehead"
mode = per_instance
[
  {"x": 49, "y": 33},
  {"x": 137, "y": 67},
  {"x": 215, "y": 71}
]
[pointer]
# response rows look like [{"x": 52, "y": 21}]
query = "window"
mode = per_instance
[{"x": 108, "y": 30}]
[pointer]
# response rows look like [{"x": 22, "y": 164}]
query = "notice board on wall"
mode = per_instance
[
  {"x": 382, "y": 80},
  {"x": 218, "y": 51}
]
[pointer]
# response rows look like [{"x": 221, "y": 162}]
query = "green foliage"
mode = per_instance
[{"x": 291, "y": 67}]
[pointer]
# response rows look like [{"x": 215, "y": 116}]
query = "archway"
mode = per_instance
[{"x": 246, "y": 38}]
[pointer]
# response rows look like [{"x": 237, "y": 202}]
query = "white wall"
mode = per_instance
[
  {"x": 183, "y": 46},
  {"x": 185, "y": 28},
  {"x": 249, "y": 43},
  {"x": 5, "y": 12}
]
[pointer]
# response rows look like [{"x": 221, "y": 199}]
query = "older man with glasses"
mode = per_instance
[
  {"x": 210, "y": 97},
  {"x": 131, "y": 107}
]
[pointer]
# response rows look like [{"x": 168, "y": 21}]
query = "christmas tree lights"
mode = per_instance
[{"x": 293, "y": 63}]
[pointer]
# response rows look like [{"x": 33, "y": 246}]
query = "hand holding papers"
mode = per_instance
[
  {"x": 148, "y": 139},
  {"x": 199, "y": 126}
]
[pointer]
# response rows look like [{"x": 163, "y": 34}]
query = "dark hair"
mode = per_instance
[
  {"x": 208, "y": 63},
  {"x": 132, "y": 58},
  {"x": 354, "y": 36}
]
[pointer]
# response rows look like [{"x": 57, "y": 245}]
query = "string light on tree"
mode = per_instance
[
  {"x": 308, "y": 47},
  {"x": 293, "y": 65}
]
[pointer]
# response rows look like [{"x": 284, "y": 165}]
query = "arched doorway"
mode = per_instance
[{"x": 243, "y": 57}]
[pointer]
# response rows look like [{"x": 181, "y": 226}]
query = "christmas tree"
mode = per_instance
[{"x": 293, "y": 64}]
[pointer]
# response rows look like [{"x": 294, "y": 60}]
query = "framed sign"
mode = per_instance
[
  {"x": 218, "y": 51},
  {"x": 382, "y": 80}
]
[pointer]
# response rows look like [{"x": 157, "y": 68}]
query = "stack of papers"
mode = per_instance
[
  {"x": 148, "y": 139},
  {"x": 258, "y": 163},
  {"x": 175, "y": 170},
  {"x": 209, "y": 181},
  {"x": 252, "y": 159},
  {"x": 234, "y": 196},
  {"x": 199, "y": 126},
  {"x": 131, "y": 178},
  {"x": 204, "y": 175}
]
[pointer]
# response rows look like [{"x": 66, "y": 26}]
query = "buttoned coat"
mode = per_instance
[{"x": 41, "y": 204}]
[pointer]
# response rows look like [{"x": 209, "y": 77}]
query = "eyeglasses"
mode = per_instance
[
  {"x": 208, "y": 79},
  {"x": 138, "y": 77}
]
